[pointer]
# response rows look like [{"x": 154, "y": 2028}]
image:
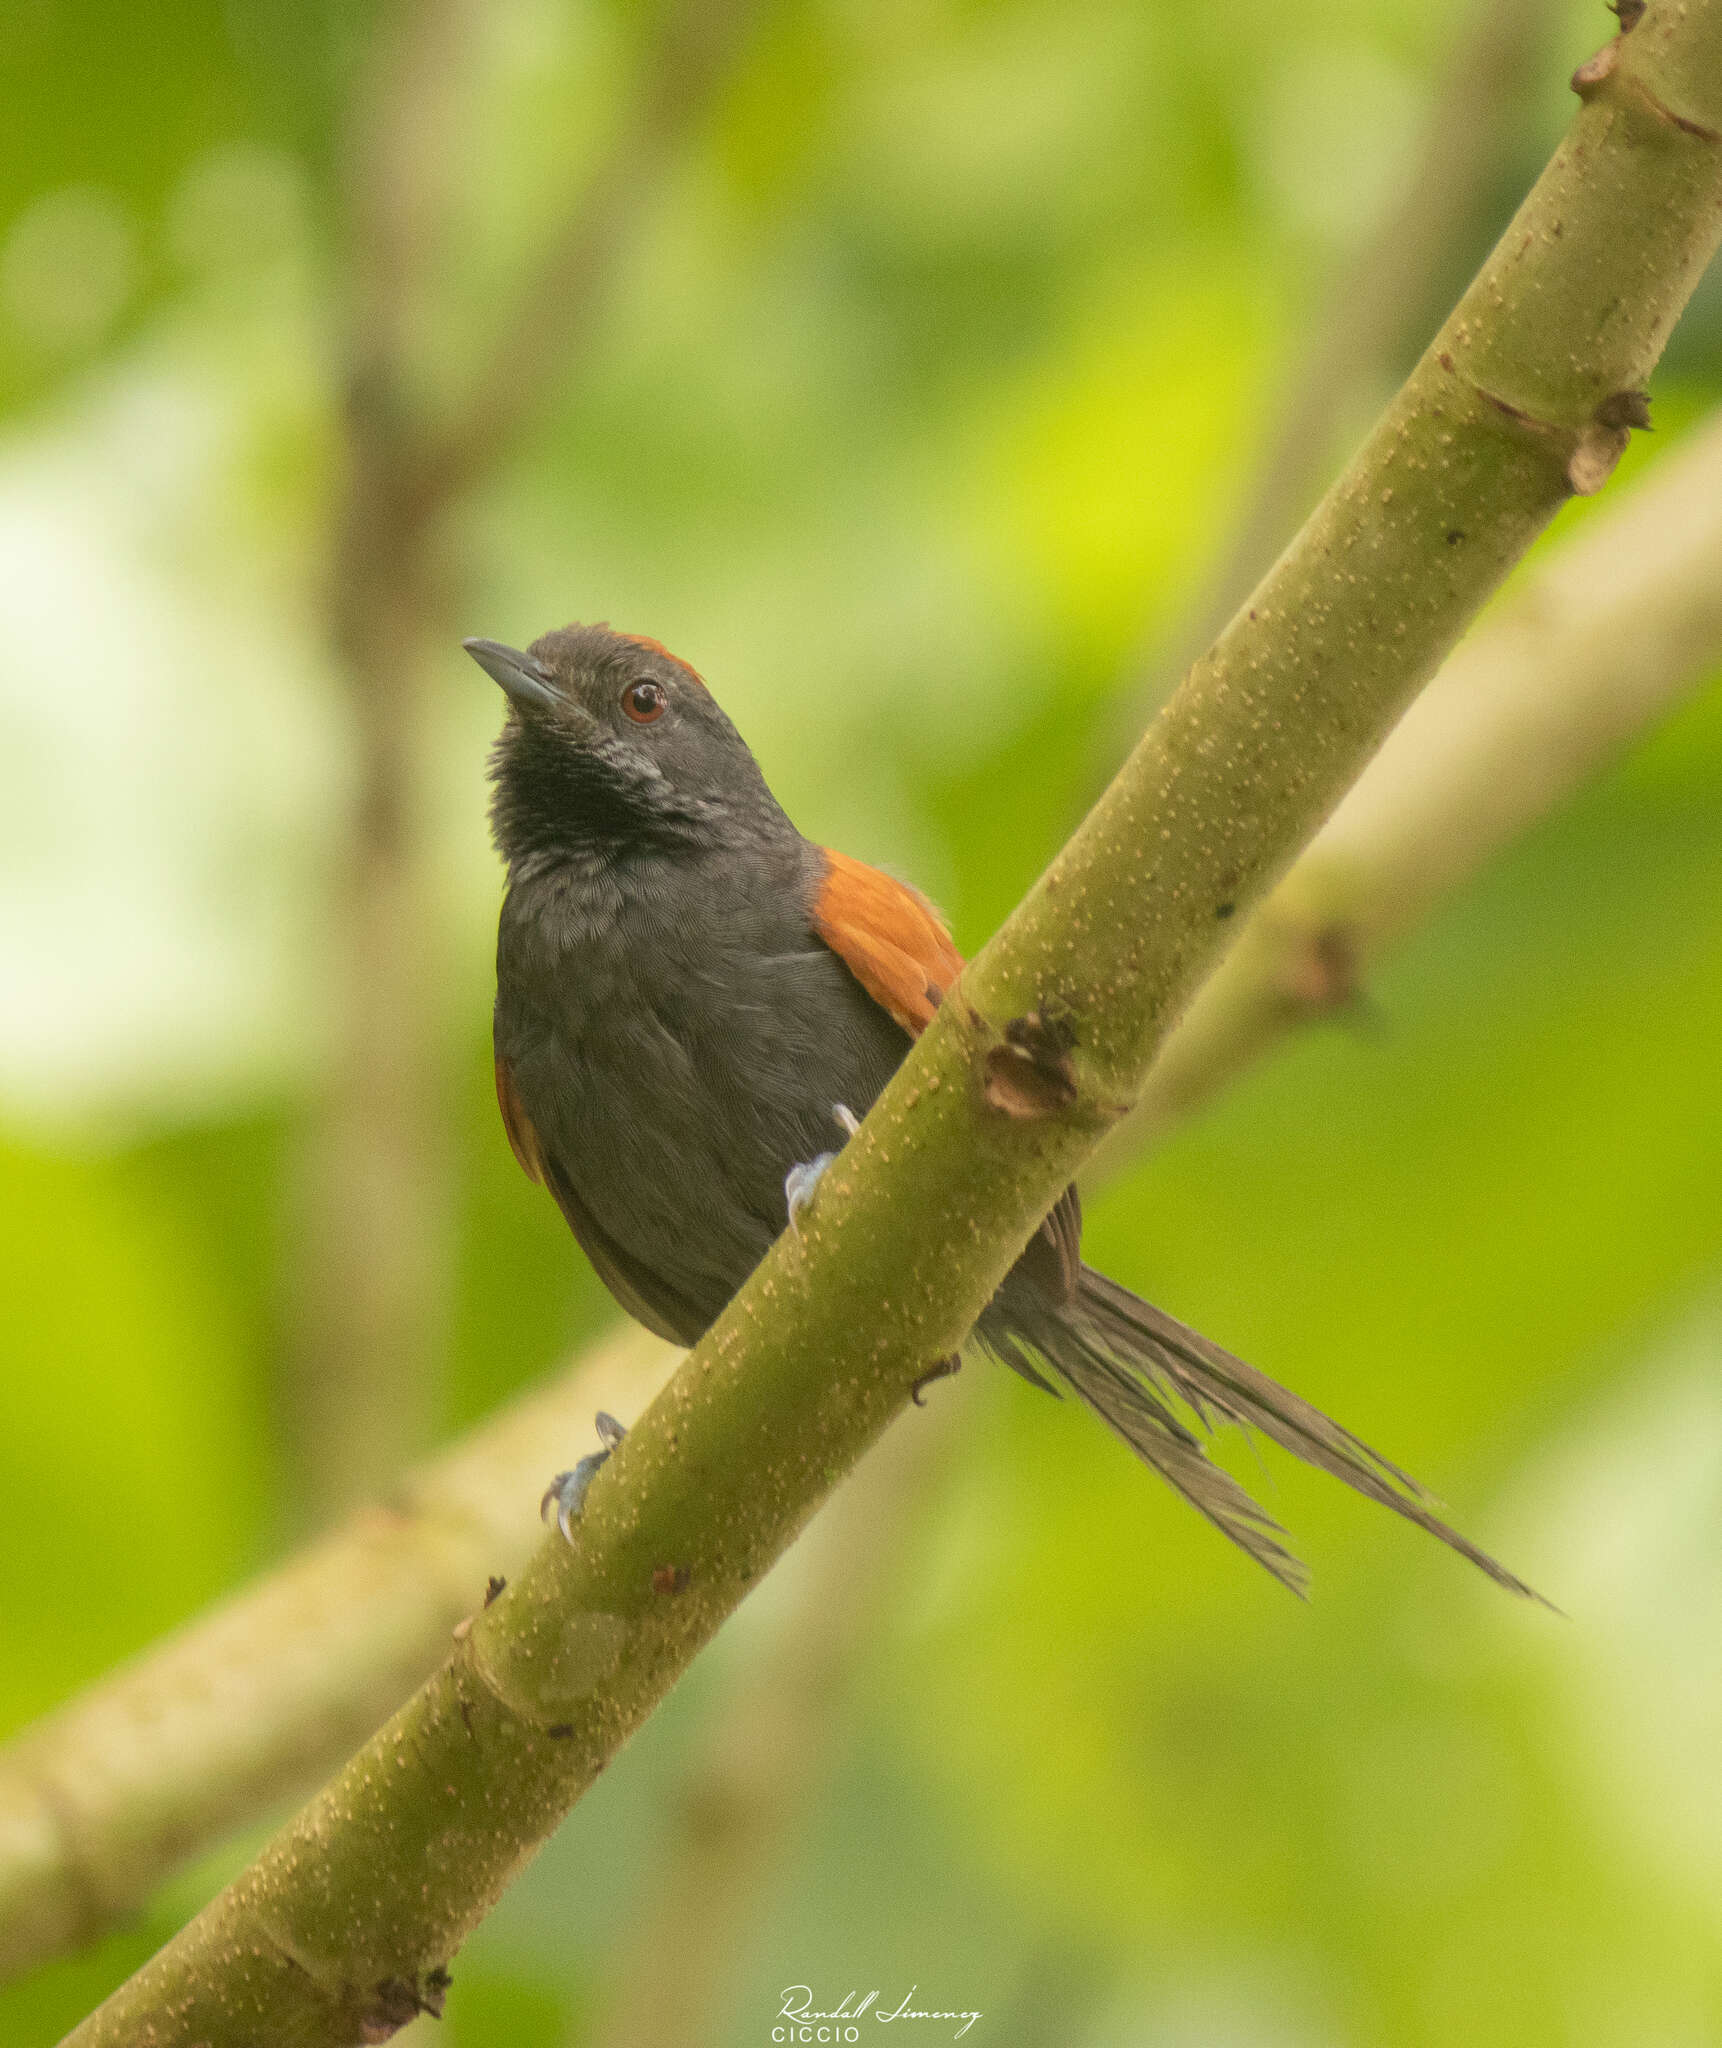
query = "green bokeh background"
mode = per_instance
[{"x": 923, "y": 399}]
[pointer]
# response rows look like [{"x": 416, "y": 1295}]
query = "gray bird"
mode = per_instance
[{"x": 694, "y": 1003}]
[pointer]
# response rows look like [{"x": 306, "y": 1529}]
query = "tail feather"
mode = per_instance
[
  {"x": 1128, "y": 1360},
  {"x": 1124, "y": 1398}
]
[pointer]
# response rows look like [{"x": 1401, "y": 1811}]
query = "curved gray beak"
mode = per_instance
[{"x": 526, "y": 681}]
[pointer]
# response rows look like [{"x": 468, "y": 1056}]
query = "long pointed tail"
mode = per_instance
[{"x": 1131, "y": 1361}]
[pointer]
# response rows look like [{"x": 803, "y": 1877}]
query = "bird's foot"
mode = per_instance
[
  {"x": 942, "y": 1371},
  {"x": 801, "y": 1182},
  {"x": 566, "y": 1493}
]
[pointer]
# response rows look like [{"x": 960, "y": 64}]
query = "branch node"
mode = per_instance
[
  {"x": 1592, "y": 450},
  {"x": 1030, "y": 1073},
  {"x": 1594, "y": 72},
  {"x": 396, "y": 2001},
  {"x": 1594, "y": 456},
  {"x": 1592, "y": 75}
]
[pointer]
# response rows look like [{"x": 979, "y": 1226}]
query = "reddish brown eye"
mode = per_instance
[{"x": 645, "y": 701}]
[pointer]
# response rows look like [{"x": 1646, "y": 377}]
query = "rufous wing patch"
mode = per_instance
[{"x": 888, "y": 936}]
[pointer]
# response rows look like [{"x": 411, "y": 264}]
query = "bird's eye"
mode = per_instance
[{"x": 644, "y": 702}]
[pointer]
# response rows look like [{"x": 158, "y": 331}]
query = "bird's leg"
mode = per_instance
[
  {"x": 800, "y": 1181},
  {"x": 566, "y": 1493},
  {"x": 941, "y": 1371}
]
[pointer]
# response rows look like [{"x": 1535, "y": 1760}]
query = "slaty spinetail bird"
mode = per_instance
[{"x": 694, "y": 1004}]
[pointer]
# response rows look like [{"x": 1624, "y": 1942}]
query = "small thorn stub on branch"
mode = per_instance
[
  {"x": 1030, "y": 1074},
  {"x": 1592, "y": 462},
  {"x": 495, "y": 1587},
  {"x": 1602, "y": 443},
  {"x": 670, "y": 1578},
  {"x": 1595, "y": 71},
  {"x": 1594, "y": 459}
]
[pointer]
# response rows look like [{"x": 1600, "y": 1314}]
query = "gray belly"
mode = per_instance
[{"x": 675, "y": 1085}]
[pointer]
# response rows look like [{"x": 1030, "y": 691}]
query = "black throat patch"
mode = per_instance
[{"x": 555, "y": 799}]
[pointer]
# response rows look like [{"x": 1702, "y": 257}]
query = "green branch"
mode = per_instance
[
  {"x": 344, "y": 1925},
  {"x": 255, "y": 1702},
  {"x": 259, "y": 1699},
  {"x": 1603, "y": 639},
  {"x": 1375, "y": 310}
]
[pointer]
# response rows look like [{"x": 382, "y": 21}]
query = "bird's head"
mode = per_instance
[{"x": 614, "y": 746}]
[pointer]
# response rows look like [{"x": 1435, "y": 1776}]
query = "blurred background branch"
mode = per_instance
[
  {"x": 690, "y": 52},
  {"x": 1599, "y": 642},
  {"x": 366, "y": 1296},
  {"x": 1380, "y": 306},
  {"x": 738, "y": 1810},
  {"x": 253, "y": 1703}
]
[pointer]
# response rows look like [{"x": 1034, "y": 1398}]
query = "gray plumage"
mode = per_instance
[{"x": 673, "y": 1035}]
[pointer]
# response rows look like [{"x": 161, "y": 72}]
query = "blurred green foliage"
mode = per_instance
[{"x": 927, "y": 393}]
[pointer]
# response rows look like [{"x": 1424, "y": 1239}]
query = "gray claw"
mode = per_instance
[
  {"x": 800, "y": 1182},
  {"x": 567, "y": 1491},
  {"x": 941, "y": 1371}
]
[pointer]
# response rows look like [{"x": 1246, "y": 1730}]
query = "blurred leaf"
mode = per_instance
[{"x": 131, "y": 1459}]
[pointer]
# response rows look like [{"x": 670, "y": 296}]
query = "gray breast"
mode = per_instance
[{"x": 679, "y": 1043}]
